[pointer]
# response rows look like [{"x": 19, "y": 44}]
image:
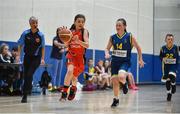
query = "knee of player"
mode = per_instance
[
  {"x": 70, "y": 70},
  {"x": 122, "y": 76},
  {"x": 74, "y": 78},
  {"x": 168, "y": 80},
  {"x": 115, "y": 80}
]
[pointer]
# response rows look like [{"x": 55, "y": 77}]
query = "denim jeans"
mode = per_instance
[{"x": 56, "y": 71}]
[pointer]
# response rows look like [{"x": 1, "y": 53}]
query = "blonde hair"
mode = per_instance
[{"x": 3, "y": 45}]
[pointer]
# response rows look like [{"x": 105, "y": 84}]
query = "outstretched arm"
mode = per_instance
[
  {"x": 108, "y": 47},
  {"x": 136, "y": 45},
  {"x": 58, "y": 44}
]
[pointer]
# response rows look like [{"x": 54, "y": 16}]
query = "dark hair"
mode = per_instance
[
  {"x": 90, "y": 59},
  {"x": 123, "y": 21},
  {"x": 15, "y": 48},
  {"x": 73, "y": 27},
  {"x": 169, "y": 35},
  {"x": 57, "y": 32},
  {"x": 101, "y": 60}
]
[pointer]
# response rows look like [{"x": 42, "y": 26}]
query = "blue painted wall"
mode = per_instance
[
  {"x": 151, "y": 73},
  {"x": 146, "y": 73}
]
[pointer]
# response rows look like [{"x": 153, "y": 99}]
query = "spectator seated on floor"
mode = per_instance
[
  {"x": 5, "y": 55},
  {"x": 18, "y": 78},
  {"x": 6, "y": 73},
  {"x": 101, "y": 77},
  {"x": 9, "y": 75},
  {"x": 89, "y": 77},
  {"x": 107, "y": 74},
  {"x": 130, "y": 80}
]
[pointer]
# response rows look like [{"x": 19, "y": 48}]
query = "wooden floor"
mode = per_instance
[{"x": 149, "y": 99}]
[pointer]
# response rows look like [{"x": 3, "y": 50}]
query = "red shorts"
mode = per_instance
[{"x": 77, "y": 61}]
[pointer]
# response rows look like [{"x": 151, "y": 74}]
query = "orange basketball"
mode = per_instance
[{"x": 65, "y": 35}]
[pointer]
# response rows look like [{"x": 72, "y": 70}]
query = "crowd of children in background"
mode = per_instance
[
  {"x": 98, "y": 77},
  {"x": 10, "y": 77}
]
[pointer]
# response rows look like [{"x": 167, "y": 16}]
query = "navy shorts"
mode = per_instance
[
  {"x": 169, "y": 69},
  {"x": 116, "y": 66}
]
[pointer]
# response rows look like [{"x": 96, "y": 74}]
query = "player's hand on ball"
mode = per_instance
[
  {"x": 63, "y": 28},
  {"x": 65, "y": 34}
]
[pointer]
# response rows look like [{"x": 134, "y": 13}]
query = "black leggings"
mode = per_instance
[
  {"x": 31, "y": 63},
  {"x": 171, "y": 79}
]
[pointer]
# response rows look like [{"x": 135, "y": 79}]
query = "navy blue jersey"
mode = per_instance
[
  {"x": 56, "y": 51},
  {"x": 122, "y": 47},
  {"x": 32, "y": 42},
  {"x": 171, "y": 54}
]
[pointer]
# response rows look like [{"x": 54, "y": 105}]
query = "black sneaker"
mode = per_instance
[
  {"x": 125, "y": 88},
  {"x": 24, "y": 99},
  {"x": 44, "y": 91},
  {"x": 72, "y": 93},
  {"x": 169, "y": 95},
  {"x": 115, "y": 103},
  {"x": 173, "y": 90},
  {"x": 63, "y": 96},
  {"x": 163, "y": 78}
]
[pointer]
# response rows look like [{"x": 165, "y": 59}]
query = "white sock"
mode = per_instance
[
  {"x": 116, "y": 97},
  {"x": 168, "y": 91}
]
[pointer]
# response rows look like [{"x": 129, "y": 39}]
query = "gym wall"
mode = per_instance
[{"x": 101, "y": 16}]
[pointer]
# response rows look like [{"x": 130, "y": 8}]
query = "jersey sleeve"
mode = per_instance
[
  {"x": 22, "y": 38},
  {"x": 43, "y": 41}
]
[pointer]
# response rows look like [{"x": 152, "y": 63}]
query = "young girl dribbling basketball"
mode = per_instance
[{"x": 75, "y": 56}]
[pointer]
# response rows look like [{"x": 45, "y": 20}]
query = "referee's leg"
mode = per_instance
[{"x": 28, "y": 77}]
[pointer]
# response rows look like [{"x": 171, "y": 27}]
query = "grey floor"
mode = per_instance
[{"x": 149, "y": 99}]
